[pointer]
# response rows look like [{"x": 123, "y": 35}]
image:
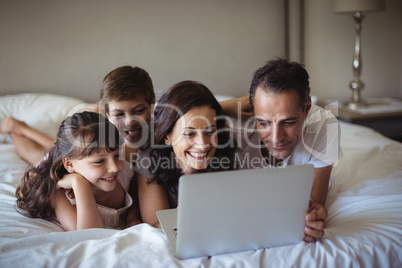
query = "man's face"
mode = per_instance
[{"x": 279, "y": 119}]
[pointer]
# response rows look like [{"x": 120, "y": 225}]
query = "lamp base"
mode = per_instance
[
  {"x": 353, "y": 105},
  {"x": 356, "y": 99}
]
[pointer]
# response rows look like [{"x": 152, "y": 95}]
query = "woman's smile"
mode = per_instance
[{"x": 194, "y": 139}]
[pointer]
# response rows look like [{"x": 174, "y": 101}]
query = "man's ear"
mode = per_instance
[
  {"x": 308, "y": 107},
  {"x": 68, "y": 165}
]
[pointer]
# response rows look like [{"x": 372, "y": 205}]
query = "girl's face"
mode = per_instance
[
  {"x": 100, "y": 169},
  {"x": 131, "y": 117},
  {"x": 194, "y": 139}
]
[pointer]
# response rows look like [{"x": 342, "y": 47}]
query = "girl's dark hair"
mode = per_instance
[
  {"x": 176, "y": 102},
  {"x": 79, "y": 136}
]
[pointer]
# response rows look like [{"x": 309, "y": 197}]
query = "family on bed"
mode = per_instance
[{"x": 92, "y": 177}]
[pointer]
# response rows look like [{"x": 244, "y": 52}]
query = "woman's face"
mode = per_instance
[{"x": 194, "y": 139}]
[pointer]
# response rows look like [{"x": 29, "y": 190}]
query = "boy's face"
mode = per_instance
[{"x": 131, "y": 117}]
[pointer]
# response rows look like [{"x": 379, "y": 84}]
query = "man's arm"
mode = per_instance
[
  {"x": 319, "y": 189},
  {"x": 315, "y": 218}
]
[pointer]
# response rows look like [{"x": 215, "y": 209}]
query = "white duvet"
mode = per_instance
[{"x": 364, "y": 225}]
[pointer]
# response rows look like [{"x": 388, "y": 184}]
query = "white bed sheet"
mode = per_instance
[{"x": 364, "y": 225}]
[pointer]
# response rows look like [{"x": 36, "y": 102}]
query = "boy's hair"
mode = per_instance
[
  {"x": 79, "y": 136},
  {"x": 125, "y": 83}
]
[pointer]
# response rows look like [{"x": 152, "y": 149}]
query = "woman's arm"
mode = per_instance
[
  {"x": 85, "y": 214},
  {"x": 133, "y": 212},
  {"x": 152, "y": 197},
  {"x": 237, "y": 107}
]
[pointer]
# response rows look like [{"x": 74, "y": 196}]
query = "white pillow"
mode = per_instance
[
  {"x": 220, "y": 98},
  {"x": 42, "y": 111}
]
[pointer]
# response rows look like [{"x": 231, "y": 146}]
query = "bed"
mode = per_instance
[{"x": 364, "y": 225}]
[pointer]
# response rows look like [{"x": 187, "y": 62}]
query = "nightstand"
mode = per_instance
[{"x": 387, "y": 123}]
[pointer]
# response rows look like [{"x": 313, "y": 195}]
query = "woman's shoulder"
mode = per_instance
[{"x": 143, "y": 162}]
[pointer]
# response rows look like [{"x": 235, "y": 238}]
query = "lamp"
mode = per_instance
[{"x": 357, "y": 7}]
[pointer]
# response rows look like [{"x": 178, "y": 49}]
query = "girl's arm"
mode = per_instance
[
  {"x": 152, "y": 197},
  {"x": 85, "y": 214}
]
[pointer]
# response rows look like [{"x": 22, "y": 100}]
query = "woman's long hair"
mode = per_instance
[
  {"x": 79, "y": 136},
  {"x": 176, "y": 102}
]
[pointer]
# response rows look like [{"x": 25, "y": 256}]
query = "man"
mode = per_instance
[{"x": 288, "y": 130}]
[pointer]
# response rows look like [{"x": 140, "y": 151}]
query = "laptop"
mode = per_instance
[{"x": 233, "y": 211}]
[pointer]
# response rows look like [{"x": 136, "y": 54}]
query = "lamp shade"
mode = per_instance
[{"x": 346, "y": 6}]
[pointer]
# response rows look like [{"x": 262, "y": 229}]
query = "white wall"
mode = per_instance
[
  {"x": 57, "y": 45},
  {"x": 329, "y": 43}
]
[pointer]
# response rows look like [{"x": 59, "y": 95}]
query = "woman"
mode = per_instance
[{"x": 189, "y": 137}]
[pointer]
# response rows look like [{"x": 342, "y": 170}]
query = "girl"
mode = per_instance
[
  {"x": 189, "y": 138},
  {"x": 84, "y": 162}
]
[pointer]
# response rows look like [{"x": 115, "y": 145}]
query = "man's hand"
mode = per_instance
[{"x": 315, "y": 222}]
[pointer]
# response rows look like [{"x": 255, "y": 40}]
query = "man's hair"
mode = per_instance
[{"x": 279, "y": 76}]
